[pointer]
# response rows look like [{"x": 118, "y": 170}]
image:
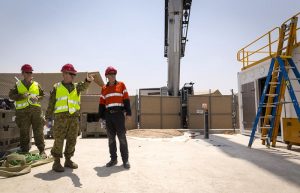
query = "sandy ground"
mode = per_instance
[
  {"x": 154, "y": 133},
  {"x": 186, "y": 163}
]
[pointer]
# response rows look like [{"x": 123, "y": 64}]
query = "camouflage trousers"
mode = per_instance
[
  {"x": 25, "y": 118},
  {"x": 65, "y": 127}
]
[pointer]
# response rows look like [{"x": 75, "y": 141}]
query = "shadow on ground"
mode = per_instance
[
  {"x": 104, "y": 171},
  {"x": 52, "y": 175},
  {"x": 275, "y": 160}
]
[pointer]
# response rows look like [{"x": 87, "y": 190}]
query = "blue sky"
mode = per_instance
[{"x": 129, "y": 35}]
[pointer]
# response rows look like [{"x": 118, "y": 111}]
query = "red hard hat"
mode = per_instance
[
  {"x": 110, "y": 70},
  {"x": 68, "y": 68},
  {"x": 26, "y": 68}
]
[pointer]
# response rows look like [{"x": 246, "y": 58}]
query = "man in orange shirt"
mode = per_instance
[{"x": 114, "y": 107}]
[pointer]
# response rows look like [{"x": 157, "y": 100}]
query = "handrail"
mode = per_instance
[
  {"x": 250, "y": 58},
  {"x": 297, "y": 14},
  {"x": 244, "y": 54}
]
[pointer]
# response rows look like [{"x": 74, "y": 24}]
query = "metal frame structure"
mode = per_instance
[{"x": 177, "y": 15}]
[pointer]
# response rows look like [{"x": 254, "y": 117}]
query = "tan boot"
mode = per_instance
[
  {"x": 43, "y": 154},
  {"x": 70, "y": 164},
  {"x": 57, "y": 166}
]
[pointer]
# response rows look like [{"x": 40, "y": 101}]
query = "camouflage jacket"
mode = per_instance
[
  {"x": 81, "y": 86},
  {"x": 14, "y": 94}
]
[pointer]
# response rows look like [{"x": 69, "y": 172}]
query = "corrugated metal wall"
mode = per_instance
[
  {"x": 132, "y": 123},
  {"x": 158, "y": 112},
  {"x": 195, "y": 119},
  {"x": 220, "y": 111}
]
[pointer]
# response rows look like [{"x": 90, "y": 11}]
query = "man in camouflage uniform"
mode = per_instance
[
  {"x": 64, "y": 106},
  {"x": 28, "y": 94}
]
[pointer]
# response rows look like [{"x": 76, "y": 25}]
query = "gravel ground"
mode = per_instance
[{"x": 154, "y": 133}]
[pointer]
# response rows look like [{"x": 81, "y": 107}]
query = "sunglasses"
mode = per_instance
[
  {"x": 28, "y": 72},
  {"x": 71, "y": 74},
  {"x": 111, "y": 74}
]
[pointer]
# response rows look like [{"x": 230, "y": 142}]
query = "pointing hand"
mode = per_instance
[{"x": 90, "y": 77}]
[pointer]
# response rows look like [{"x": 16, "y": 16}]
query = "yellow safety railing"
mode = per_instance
[
  {"x": 264, "y": 47},
  {"x": 267, "y": 47}
]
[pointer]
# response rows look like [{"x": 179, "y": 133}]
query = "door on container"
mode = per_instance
[{"x": 248, "y": 102}]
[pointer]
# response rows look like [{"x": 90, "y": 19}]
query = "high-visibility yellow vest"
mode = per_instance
[
  {"x": 65, "y": 101},
  {"x": 33, "y": 91}
]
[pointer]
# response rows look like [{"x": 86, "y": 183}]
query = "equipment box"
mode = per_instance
[
  {"x": 7, "y": 118},
  {"x": 6, "y": 144},
  {"x": 8, "y": 127},
  {"x": 291, "y": 131},
  {"x": 90, "y": 125},
  {"x": 94, "y": 127},
  {"x": 9, "y": 132}
]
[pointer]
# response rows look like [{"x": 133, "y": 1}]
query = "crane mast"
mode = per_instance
[{"x": 177, "y": 14}]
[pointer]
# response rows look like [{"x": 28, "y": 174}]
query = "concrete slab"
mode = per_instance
[{"x": 222, "y": 163}]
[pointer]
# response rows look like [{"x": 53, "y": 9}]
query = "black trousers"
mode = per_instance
[{"x": 115, "y": 125}]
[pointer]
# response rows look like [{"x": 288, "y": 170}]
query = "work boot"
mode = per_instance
[
  {"x": 57, "y": 166},
  {"x": 112, "y": 163},
  {"x": 70, "y": 164},
  {"x": 43, "y": 154},
  {"x": 126, "y": 165},
  {"x": 23, "y": 151}
]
